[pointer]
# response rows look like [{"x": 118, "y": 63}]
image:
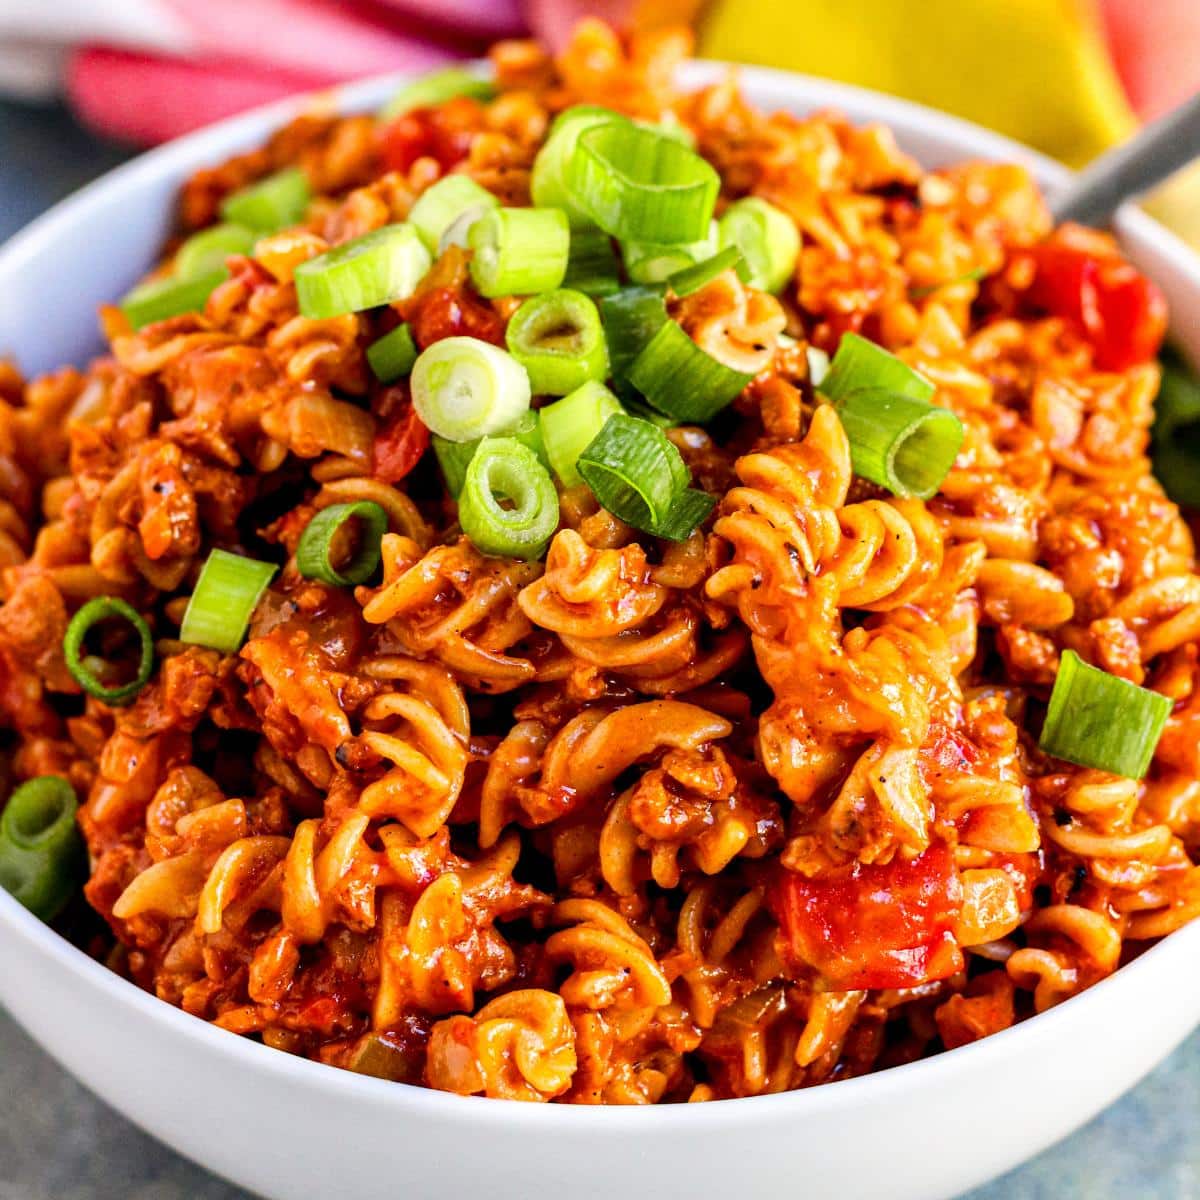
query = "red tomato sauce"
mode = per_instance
[{"x": 874, "y": 926}]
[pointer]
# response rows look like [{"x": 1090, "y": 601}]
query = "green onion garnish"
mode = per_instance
[
  {"x": 314, "y": 551},
  {"x": 548, "y": 180},
  {"x": 391, "y": 357},
  {"x": 859, "y": 366},
  {"x": 642, "y": 186},
  {"x": 377, "y": 268},
  {"x": 592, "y": 266},
  {"x": 692, "y": 279},
  {"x": 639, "y": 476},
  {"x": 161, "y": 299},
  {"x": 1098, "y": 720},
  {"x": 436, "y": 88},
  {"x": 904, "y": 445},
  {"x": 652, "y": 262},
  {"x": 95, "y": 612},
  {"x": 452, "y": 199},
  {"x": 1177, "y": 433},
  {"x": 558, "y": 339},
  {"x": 519, "y": 251},
  {"x": 571, "y": 424},
  {"x": 897, "y": 438},
  {"x": 631, "y": 318},
  {"x": 455, "y": 457},
  {"x": 205, "y": 252},
  {"x": 766, "y": 236},
  {"x": 681, "y": 380},
  {"x": 227, "y": 592},
  {"x": 272, "y": 203},
  {"x": 464, "y": 388},
  {"x": 503, "y": 469},
  {"x": 41, "y": 853}
]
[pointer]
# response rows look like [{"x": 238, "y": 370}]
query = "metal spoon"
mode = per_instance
[{"x": 1159, "y": 150}]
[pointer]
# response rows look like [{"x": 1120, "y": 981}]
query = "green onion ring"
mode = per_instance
[
  {"x": 503, "y": 468},
  {"x": 316, "y": 542},
  {"x": 41, "y": 852},
  {"x": 224, "y": 600},
  {"x": 558, "y": 339},
  {"x": 1099, "y": 720},
  {"x": 641, "y": 185},
  {"x": 272, "y": 203},
  {"x": 95, "y": 611},
  {"x": 519, "y": 251}
]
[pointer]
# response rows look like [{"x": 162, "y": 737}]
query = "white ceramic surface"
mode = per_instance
[{"x": 291, "y": 1129}]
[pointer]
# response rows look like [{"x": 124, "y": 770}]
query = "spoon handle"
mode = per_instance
[{"x": 1159, "y": 150}]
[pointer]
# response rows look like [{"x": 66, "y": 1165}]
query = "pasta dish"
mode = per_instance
[{"x": 567, "y": 590}]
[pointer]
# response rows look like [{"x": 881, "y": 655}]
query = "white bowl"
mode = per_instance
[{"x": 290, "y": 1129}]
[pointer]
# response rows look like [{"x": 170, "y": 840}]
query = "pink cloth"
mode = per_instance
[{"x": 233, "y": 54}]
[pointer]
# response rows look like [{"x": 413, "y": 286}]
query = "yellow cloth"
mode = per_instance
[{"x": 1037, "y": 70}]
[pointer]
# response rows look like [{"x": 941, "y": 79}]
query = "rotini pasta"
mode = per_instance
[{"x": 636, "y": 820}]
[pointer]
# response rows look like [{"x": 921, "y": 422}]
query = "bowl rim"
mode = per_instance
[{"x": 897, "y": 1082}]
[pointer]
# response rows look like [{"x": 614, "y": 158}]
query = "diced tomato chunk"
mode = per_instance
[
  {"x": 454, "y": 312},
  {"x": 443, "y": 134},
  {"x": 1120, "y": 312},
  {"x": 877, "y": 925},
  {"x": 400, "y": 442}
]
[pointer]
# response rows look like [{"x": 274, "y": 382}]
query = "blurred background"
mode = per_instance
[
  {"x": 84, "y": 84},
  {"x": 1069, "y": 77}
]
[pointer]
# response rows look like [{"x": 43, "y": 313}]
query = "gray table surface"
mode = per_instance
[{"x": 58, "y": 1142}]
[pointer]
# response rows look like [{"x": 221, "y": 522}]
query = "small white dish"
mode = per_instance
[{"x": 291, "y": 1129}]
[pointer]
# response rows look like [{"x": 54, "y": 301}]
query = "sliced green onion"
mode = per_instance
[
  {"x": 860, "y": 365},
  {"x": 455, "y": 457},
  {"x": 436, "y": 88},
  {"x": 631, "y": 318},
  {"x": 681, "y": 380},
  {"x": 463, "y": 388},
  {"x": 639, "y": 476},
  {"x": 451, "y": 199},
  {"x": 548, "y": 179},
  {"x": 571, "y": 424},
  {"x": 161, "y": 299},
  {"x": 504, "y": 469},
  {"x": 392, "y": 356},
  {"x": 692, "y": 279},
  {"x": 41, "y": 852},
  {"x": 897, "y": 438},
  {"x": 227, "y": 593},
  {"x": 377, "y": 268},
  {"x": 592, "y": 266},
  {"x": 690, "y": 509},
  {"x": 558, "y": 339},
  {"x": 314, "y": 551},
  {"x": 907, "y": 446},
  {"x": 94, "y": 612},
  {"x": 652, "y": 262},
  {"x": 1177, "y": 432},
  {"x": 1098, "y": 720},
  {"x": 272, "y": 203},
  {"x": 205, "y": 252},
  {"x": 519, "y": 251},
  {"x": 766, "y": 236},
  {"x": 642, "y": 186}
]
